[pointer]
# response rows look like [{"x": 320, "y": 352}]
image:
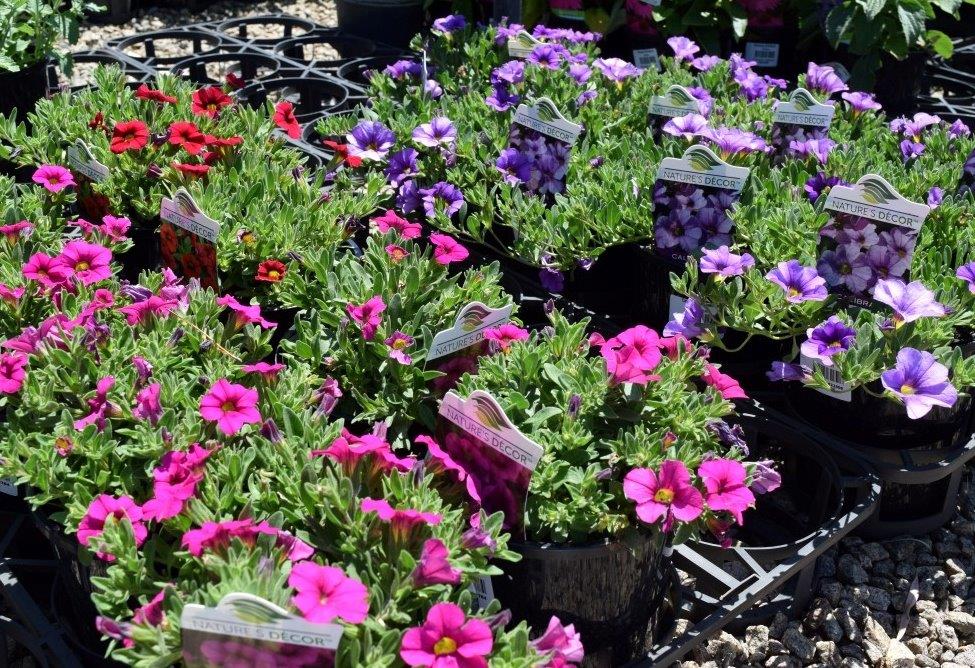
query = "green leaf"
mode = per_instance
[
  {"x": 837, "y": 23},
  {"x": 940, "y": 43},
  {"x": 872, "y": 8},
  {"x": 912, "y": 24}
]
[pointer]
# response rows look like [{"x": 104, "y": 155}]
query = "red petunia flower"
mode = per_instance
[
  {"x": 129, "y": 136},
  {"x": 342, "y": 150},
  {"x": 187, "y": 135},
  {"x": 271, "y": 271},
  {"x": 284, "y": 118},
  {"x": 209, "y": 101},
  {"x": 98, "y": 122},
  {"x": 146, "y": 93},
  {"x": 191, "y": 170},
  {"x": 221, "y": 142},
  {"x": 234, "y": 81}
]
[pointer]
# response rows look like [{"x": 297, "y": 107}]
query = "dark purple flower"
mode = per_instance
[
  {"x": 966, "y": 272},
  {"x": 935, "y": 197},
  {"x": 861, "y": 102},
  {"x": 512, "y": 72},
  {"x": 724, "y": 263},
  {"x": 783, "y": 371},
  {"x": 689, "y": 323},
  {"x": 688, "y": 127},
  {"x": 800, "y": 284},
  {"x": 684, "y": 49},
  {"x": 705, "y": 63},
  {"x": 909, "y": 301},
  {"x": 920, "y": 381},
  {"x": 408, "y": 198},
  {"x": 551, "y": 279},
  {"x": 586, "y": 96},
  {"x": 402, "y": 69},
  {"x": 911, "y": 150},
  {"x": 575, "y": 402},
  {"x": 827, "y": 339},
  {"x": 616, "y": 69},
  {"x": 501, "y": 99},
  {"x": 448, "y": 196},
  {"x": 580, "y": 72},
  {"x": 402, "y": 166},
  {"x": 824, "y": 79},
  {"x": 370, "y": 140},
  {"x": 515, "y": 166},
  {"x": 678, "y": 229},
  {"x": 548, "y": 56},
  {"x": 448, "y": 24},
  {"x": 820, "y": 184}
]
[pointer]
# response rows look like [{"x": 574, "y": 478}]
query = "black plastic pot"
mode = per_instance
[
  {"x": 21, "y": 90},
  {"x": 248, "y": 65},
  {"x": 312, "y": 96},
  {"x": 290, "y": 26},
  {"x": 612, "y": 592},
  {"x": 142, "y": 47},
  {"x": 357, "y": 71},
  {"x": 305, "y": 48},
  {"x": 387, "y": 21},
  {"x": 920, "y": 462},
  {"x": 750, "y": 364}
]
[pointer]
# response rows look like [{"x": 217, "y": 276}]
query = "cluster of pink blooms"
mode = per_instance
[
  {"x": 217, "y": 536},
  {"x": 446, "y": 249}
]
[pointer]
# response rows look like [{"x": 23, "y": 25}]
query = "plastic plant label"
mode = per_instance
[
  {"x": 677, "y": 101},
  {"x": 500, "y": 459},
  {"x": 765, "y": 54},
  {"x": 652, "y": 3},
  {"x": 82, "y": 161},
  {"x": 455, "y": 351},
  {"x": 542, "y": 134},
  {"x": 483, "y": 592},
  {"x": 8, "y": 486},
  {"x": 188, "y": 239},
  {"x": 521, "y": 44},
  {"x": 839, "y": 389},
  {"x": 691, "y": 199},
  {"x": 646, "y": 59},
  {"x": 246, "y": 629},
  {"x": 802, "y": 118},
  {"x": 870, "y": 235}
]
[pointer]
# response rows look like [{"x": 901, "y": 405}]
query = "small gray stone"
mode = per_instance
[
  {"x": 935, "y": 650},
  {"x": 962, "y": 622},
  {"x": 832, "y": 591},
  {"x": 827, "y": 652},
  {"x": 777, "y": 627},
  {"x": 849, "y": 625},
  {"x": 783, "y": 661},
  {"x": 925, "y": 661},
  {"x": 954, "y": 567},
  {"x": 898, "y": 656},
  {"x": 873, "y": 651},
  {"x": 948, "y": 637},
  {"x": 853, "y": 651},
  {"x": 884, "y": 569},
  {"x": 756, "y": 641},
  {"x": 832, "y": 628},
  {"x": 966, "y": 658},
  {"x": 874, "y": 551},
  {"x": 852, "y": 662},
  {"x": 918, "y": 645}
]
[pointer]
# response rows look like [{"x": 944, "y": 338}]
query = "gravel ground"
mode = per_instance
[{"x": 894, "y": 604}]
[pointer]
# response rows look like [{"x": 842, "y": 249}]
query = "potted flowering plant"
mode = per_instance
[{"x": 636, "y": 453}]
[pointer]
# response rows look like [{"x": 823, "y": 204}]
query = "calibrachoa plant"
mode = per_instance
[{"x": 635, "y": 433}]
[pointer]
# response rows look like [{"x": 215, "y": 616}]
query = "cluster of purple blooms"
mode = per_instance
[
  {"x": 506, "y": 32},
  {"x": 856, "y": 252},
  {"x": 410, "y": 70},
  {"x": 912, "y": 129},
  {"x": 689, "y": 218},
  {"x": 542, "y": 159},
  {"x": 802, "y": 142}
]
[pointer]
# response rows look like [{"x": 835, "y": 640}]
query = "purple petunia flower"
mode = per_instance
[
  {"x": 684, "y": 49},
  {"x": 827, "y": 339},
  {"x": 724, "y": 263},
  {"x": 505, "y": 32},
  {"x": 705, "y": 63},
  {"x": 580, "y": 72},
  {"x": 515, "y": 165},
  {"x": 966, "y": 272},
  {"x": 370, "y": 140},
  {"x": 860, "y": 102},
  {"x": 704, "y": 100},
  {"x": 731, "y": 141},
  {"x": 548, "y": 56},
  {"x": 800, "y": 284},
  {"x": 738, "y": 63},
  {"x": 512, "y": 72},
  {"x": 911, "y": 150},
  {"x": 501, "y": 99},
  {"x": 774, "y": 82},
  {"x": 935, "y": 197},
  {"x": 824, "y": 79},
  {"x": 433, "y": 89},
  {"x": 448, "y": 196},
  {"x": 678, "y": 229},
  {"x": 915, "y": 126},
  {"x": 586, "y": 96},
  {"x": 402, "y": 69},
  {"x": 845, "y": 266},
  {"x": 616, "y": 69},
  {"x": 783, "y": 371},
  {"x": 402, "y": 166},
  {"x": 438, "y": 132},
  {"x": 884, "y": 263},
  {"x": 689, "y": 323},
  {"x": 958, "y": 129},
  {"x": 551, "y": 279},
  {"x": 920, "y": 381},
  {"x": 821, "y": 183},
  {"x": 753, "y": 86},
  {"x": 813, "y": 148},
  {"x": 688, "y": 127},
  {"x": 909, "y": 301},
  {"x": 408, "y": 198},
  {"x": 448, "y": 24}
]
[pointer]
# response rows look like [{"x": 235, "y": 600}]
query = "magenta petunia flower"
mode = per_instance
[
  {"x": 438, "y": 132},
  {"x": 140, "y": 312},
  {"x": 147, "y": 405},
  {"x": 725, "y": 483},
  {"x": 99, "y": 510},
  {"x": 439, "y": 462},
  {"x": 244, "y": 314},
  {"x": 830, "y": 338},
  {"x": 89, "y": 263},
  {"x": 101, "y": 408},
  {"x": 725, "y": 264},
  {"x": 447, "y": 639},
  {"x": 11, "y": 295},
  {"x": 405, "y": 524},
  {"x": 15, "y": 231},
  {"x": 115, "y": 228},
  {"x": 398, "y": 342},
  {"x": 966, "y": 272},
  {"x": 46, "y": 270},
  {"x": 367, "y": 316},
  {"x": 669, "y": 495},
  {"x": 54, "y": 178},
  {"x": 562, "y": 643},
  {"x": 230, "y": 405},
  {"x": 433, "y": 567},
  {"x": 391, "y": 221},
  {"x": 683, "y": 48},
  {"x": 687, "y": 127},
  {"x": 920, "y": 381},
  {"x": 152, "y": 613},
  {"x": 726, "y": 386},
  {"x": 909, "y": 301},
  {"x": 631, "y": 355},
  {"x": 446, "y": 249},
  {"x": 800, "y": 284},
  {"x": 269, "y": 372},
  {"x": 503, "y": 336},
  {"x": 13, "y": 370},
  {"x": 324, "y": 593}
]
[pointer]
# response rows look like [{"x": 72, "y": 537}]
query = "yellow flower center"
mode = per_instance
[
  {"x": 835, "y": 344},
  {"x": 274, "y": 274},
  {"x": 81, "y": 266},
  {"x": 399, "y": 344},
  {"x": 247, "y": 238},
  {"x": 211, "y": 107},
  {"x": 907, "y": 389},
  {"x": 664, "y": 495},
  {"x": 228, "y": 406},
  {"x": 793, "y": 292},
  {"x": 445, "y": 646}
]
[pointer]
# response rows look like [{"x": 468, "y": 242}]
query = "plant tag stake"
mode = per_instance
[
  {"x": 81, "y": 160},
  {"x": 545, "y": 137},
  {"x": 765, "y": 54},
  {"x": 456, "y": 350},
  {"x": 646, "y": 59},
  {"x": 188, "y": 239},
  {"x": 521, "y": 44},
  {"x": 677, "y": 101},
  {"x": 691, "y": 197},
  {"x": 483, "y": 591},
  {"x": 8, "y": 486},
  {"x": 800, "y": 119},
  {"x": 479, "y": 436},
  {"x": 870, "y": 235},
  {"x": 244, "y": 628}
]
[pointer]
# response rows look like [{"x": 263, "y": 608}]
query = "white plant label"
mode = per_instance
[
  {"x": 81, "y": 160},
  {"x": 765, "y": 54},
  {"x": 839, "y": 388}
]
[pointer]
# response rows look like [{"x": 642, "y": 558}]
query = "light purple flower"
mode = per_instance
[
  {"x": 824, "y": 79},
  {"x": 705, "y": 63},
  {"x": 548, "y": 56},
  {"x": 800, "y": 284},
  {"x": 448, "y": 196},
  {"x": 586, "y": 96},
  {"x": 958, "y": 129},
  {"x": 827, "y": 339},
  {"x": 813, "y": 148},
  {"x": 438, "y": 132},
  {"x": 738, "y": 63},
  {"x": 704, "y": 100},
  {"x": 724, "y": 263},
  {"x": 920, "y": 381},
  {"x": 616, "y": 69},
  {"x": 684, "y": 49},
  {"x": 433, "y": 89},
  {"x": 860, "y": 102},
  {"x": 402, "y": 69},
  {"x": 515, "y": 166},
  {"x": 911, "y": 150},
  {"x": 501, "y": 99},
  {"x": 935, "y": 197},
  {"x": 506, "y": 32},
  {"x": 580, "y": 72},
  {"x": 689, "y": 323},
  {"x": 765, "y": 479},
  {"x": 398, "y": 343},
  {"x": 370, "y": 140},
  {"x": 753, "y": 86},
  {"x": 915, "y": 126},
  {"x": 688, "y": 127},
  {"x": 784, "y": 372},
  {"x": 774, "y": 82},
  {"x": 732, "y": 141},
  {"x": 448, "y": 24},
  {"x": 402, "y": 166},
  {"x": 966, "y": 272},
  {"x": 512, "y": 72},
  {"x": 909, "y": 301}
]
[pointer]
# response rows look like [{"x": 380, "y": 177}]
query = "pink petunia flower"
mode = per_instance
[
  {"x": 433, "y": 567},
  {"x": 147, "y": 406},
  {"x": 13, "y": 370},
  {"x": 11, "y": 295},
  {"x": 115, "y": 228},
  {"x": 668, "y": 495},
  {"x": 631, "y": 355},
  {"x": 101, "y": 508},
  {"x": 152, "y": 613},
  {"x": 446, "y": 249},
  {"x": 54, "y": 178},
  {"x": 367, "y": 316},
  {"x": 269, "y": 372},
  {"x": 563, "y": 643},
  {"x": 324, "y": 593},
  {"x": 230, "y": 405},
  {"x": 15, "y": 231},
  {"x": 398, "y": 343},
  {"x": 447, "y": 639},
  {"x": 101, "y": 407},
  {"x": 349, "y": 451},
  {"x": 404, "y": 523},
  {"x": 727, "y": 386},
  {"x": 140, "y": 312},
  {"x": 391, "y": 221},
  {"x": 726, "y": 485},
  {"x": 46, "y": 270},
  {"x": 502, "y": 337},
  {"x": 216, "y": 536},
  {"x": 249, "y": 314}
]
